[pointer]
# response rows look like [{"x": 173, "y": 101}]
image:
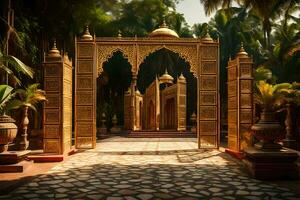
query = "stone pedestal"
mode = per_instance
[
  {"x": 267, "y": 165},
  {"x": 115, "y": 130},
  {"x": 10, "y": 161},
  {"x": 12, "y": 157}
]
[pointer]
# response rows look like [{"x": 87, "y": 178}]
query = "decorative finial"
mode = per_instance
[
  {"x": 207, "y": 38},
  {"x": 181, "y": 78},
  {"x": 119, "y": 33},
  {"x": 242, "y": 52},
  {"x": 54, "y": 52},
  {"x": 86, "y": 35},
  {"x": 54, "y": 44},
  {"x": 164, "y": 24}
]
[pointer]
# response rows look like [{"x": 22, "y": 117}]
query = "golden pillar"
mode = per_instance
[
  {"x": 240, "y": 101},
  {"x": 58, "y": 108}
]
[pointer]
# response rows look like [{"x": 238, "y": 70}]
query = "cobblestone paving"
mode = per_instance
[{"x": 137, "y": 168}]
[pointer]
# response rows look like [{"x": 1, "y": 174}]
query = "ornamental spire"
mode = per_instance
[
  {"x": 86, "y": 35},
  {"x": 54, "y": 52}
]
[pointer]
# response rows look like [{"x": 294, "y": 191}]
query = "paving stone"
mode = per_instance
[
  {"x": 34, "y": 184},
  {"x": 205, "y": 193},
  {"x": 126, "y": 192},
  {"x": 122, "y": 186},
  {"x": 114, "y": 171},
  {"x": 60, "y": 195},
  {"x": 61, "y": 190},
  {"x": 114, "y": 198},
  {"x": 163, "y": 195},
  {"x": 242, "y": 192},
  {"x": 145, "y": 196},
  {"x": 130, "y": 198},
  {"x": 30, "y": 195},
  {"x": 147, "y": 190},
  {"x": 214, "y": 189},
  {"x": 95, "y": 196},
  {"x": 189, "y": 190}
]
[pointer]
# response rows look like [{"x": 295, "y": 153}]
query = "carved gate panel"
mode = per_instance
[
  {"x": 85, "y": 96},
  {"x": 208, "y": 96}
]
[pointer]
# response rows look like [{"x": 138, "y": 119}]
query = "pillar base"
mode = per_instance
[{"x": 236, "y": 154}]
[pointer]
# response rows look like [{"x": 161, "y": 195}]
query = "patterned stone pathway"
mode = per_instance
[{"x": 137, "y": 168}]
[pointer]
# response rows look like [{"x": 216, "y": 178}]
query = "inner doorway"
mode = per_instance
[
  {"x": 174, "y": 101},
  {"x": 112, "y": 85}
]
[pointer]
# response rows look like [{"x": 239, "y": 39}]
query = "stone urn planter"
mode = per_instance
[
  {"x": 8, "y": 132},
  {"x": 268, "y": 130}
]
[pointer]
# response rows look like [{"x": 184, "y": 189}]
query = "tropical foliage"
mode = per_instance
[
  {"x": 5, "y": 96},
  {"x": 271, "y": 96},
  {"x": 28, "y": 97}
]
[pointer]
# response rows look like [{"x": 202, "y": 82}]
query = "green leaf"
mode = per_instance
[{"x": 15, "y": 104}]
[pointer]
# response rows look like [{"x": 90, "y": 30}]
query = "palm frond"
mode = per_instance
[{"x": 18, "y": 65}]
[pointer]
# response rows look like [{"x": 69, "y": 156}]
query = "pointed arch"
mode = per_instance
[
  {"x": 105, "y": 52},
  {"x": 186, "y": 52}
]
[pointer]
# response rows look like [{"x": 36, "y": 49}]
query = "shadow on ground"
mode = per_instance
[{"x": 79, "y": 178}]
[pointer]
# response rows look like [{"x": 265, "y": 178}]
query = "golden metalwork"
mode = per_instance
[
  {"x": 58, "y": 108},
  {"x": 201, "y": 54},
  {"x": 164, "y": 31},
  {"x": 240, "y": 101}
]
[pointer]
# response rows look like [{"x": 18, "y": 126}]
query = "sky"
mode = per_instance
[{"x": 193, "y": 11}]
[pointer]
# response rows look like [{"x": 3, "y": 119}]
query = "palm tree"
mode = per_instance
[
  {"x": 27, "y": 98},
  {"x": 212, "y": 5},
  {"x": 282, "y": 61},
  {"x": 265, "y": 10}
]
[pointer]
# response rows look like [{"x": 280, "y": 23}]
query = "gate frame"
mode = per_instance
[{"x": 201, "y": 54}]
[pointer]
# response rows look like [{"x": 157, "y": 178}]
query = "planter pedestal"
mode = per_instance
[
  {"x": 271, "y": 165},
  {"x": 10, "y": 161},
  {"x": 13, "y": 157}
]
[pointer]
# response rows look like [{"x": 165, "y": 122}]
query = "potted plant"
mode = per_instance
[
  {"x": 8, "y": 130},
  {"x": 26, "y": 99},
  {"x": 9, "y": 66},
  {"x": 268, "y": 129}
]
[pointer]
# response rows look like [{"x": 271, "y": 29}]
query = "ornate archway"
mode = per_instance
[{"x": 201, "y": 54}]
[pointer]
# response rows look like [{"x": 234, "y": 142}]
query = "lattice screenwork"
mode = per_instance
[
  {"x": 58, "y": 108},
  {"x": 240, "y": 101},
  {"x": 85, "y": 95},
  {"x": 208, "y": 95}
]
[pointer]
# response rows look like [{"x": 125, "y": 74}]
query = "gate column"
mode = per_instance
[
  {"x": 58, "y": 108},
  {"x": 208, "y": 94},
  {"x": 240, "y": 101},
  {"x": 85, "y": 92}
]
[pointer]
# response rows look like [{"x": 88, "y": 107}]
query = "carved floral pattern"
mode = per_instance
[
  {"x": 186, "y": 52},
  {"x": 105, "y": 52}
]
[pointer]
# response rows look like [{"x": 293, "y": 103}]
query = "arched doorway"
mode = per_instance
[
  {"x": 154, "y": 66},
  {"x": 112, "y": 85},
  {"x": 201, "y": 54}
]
